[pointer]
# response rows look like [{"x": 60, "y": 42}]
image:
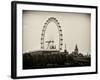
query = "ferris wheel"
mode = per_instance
[{"x": 52, "y": 19}]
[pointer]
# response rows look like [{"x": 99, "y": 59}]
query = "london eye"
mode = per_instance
[{"x": 52, "y": 19}]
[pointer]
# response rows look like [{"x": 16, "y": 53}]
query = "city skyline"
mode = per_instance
[{"x": 77, "y": 33}]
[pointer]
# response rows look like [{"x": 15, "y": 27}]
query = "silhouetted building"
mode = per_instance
[
  {"x": 54, "y": 58},
  {"x": 76, "y": 49},
  {"x": 80, "y": 55},
  {"x": 75, "y": 52}
]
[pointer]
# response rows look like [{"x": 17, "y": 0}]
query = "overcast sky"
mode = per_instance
[{"x": 75, "y": 28}]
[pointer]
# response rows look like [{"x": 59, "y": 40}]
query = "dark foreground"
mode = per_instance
[{"x": 48, "y": 59}]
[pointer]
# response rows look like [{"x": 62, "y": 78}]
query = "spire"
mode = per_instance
[{"x": 76, "y": 49}]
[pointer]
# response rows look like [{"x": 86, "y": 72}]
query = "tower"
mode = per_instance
[{"x": 76, "y": 50}]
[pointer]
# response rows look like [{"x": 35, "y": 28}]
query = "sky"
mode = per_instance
[{"x": 75, "y": 29}]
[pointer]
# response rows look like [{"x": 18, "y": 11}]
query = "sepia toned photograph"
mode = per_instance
[
  {"x": 50, "y": 39},
  {"x": 55, "y": 39}
]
